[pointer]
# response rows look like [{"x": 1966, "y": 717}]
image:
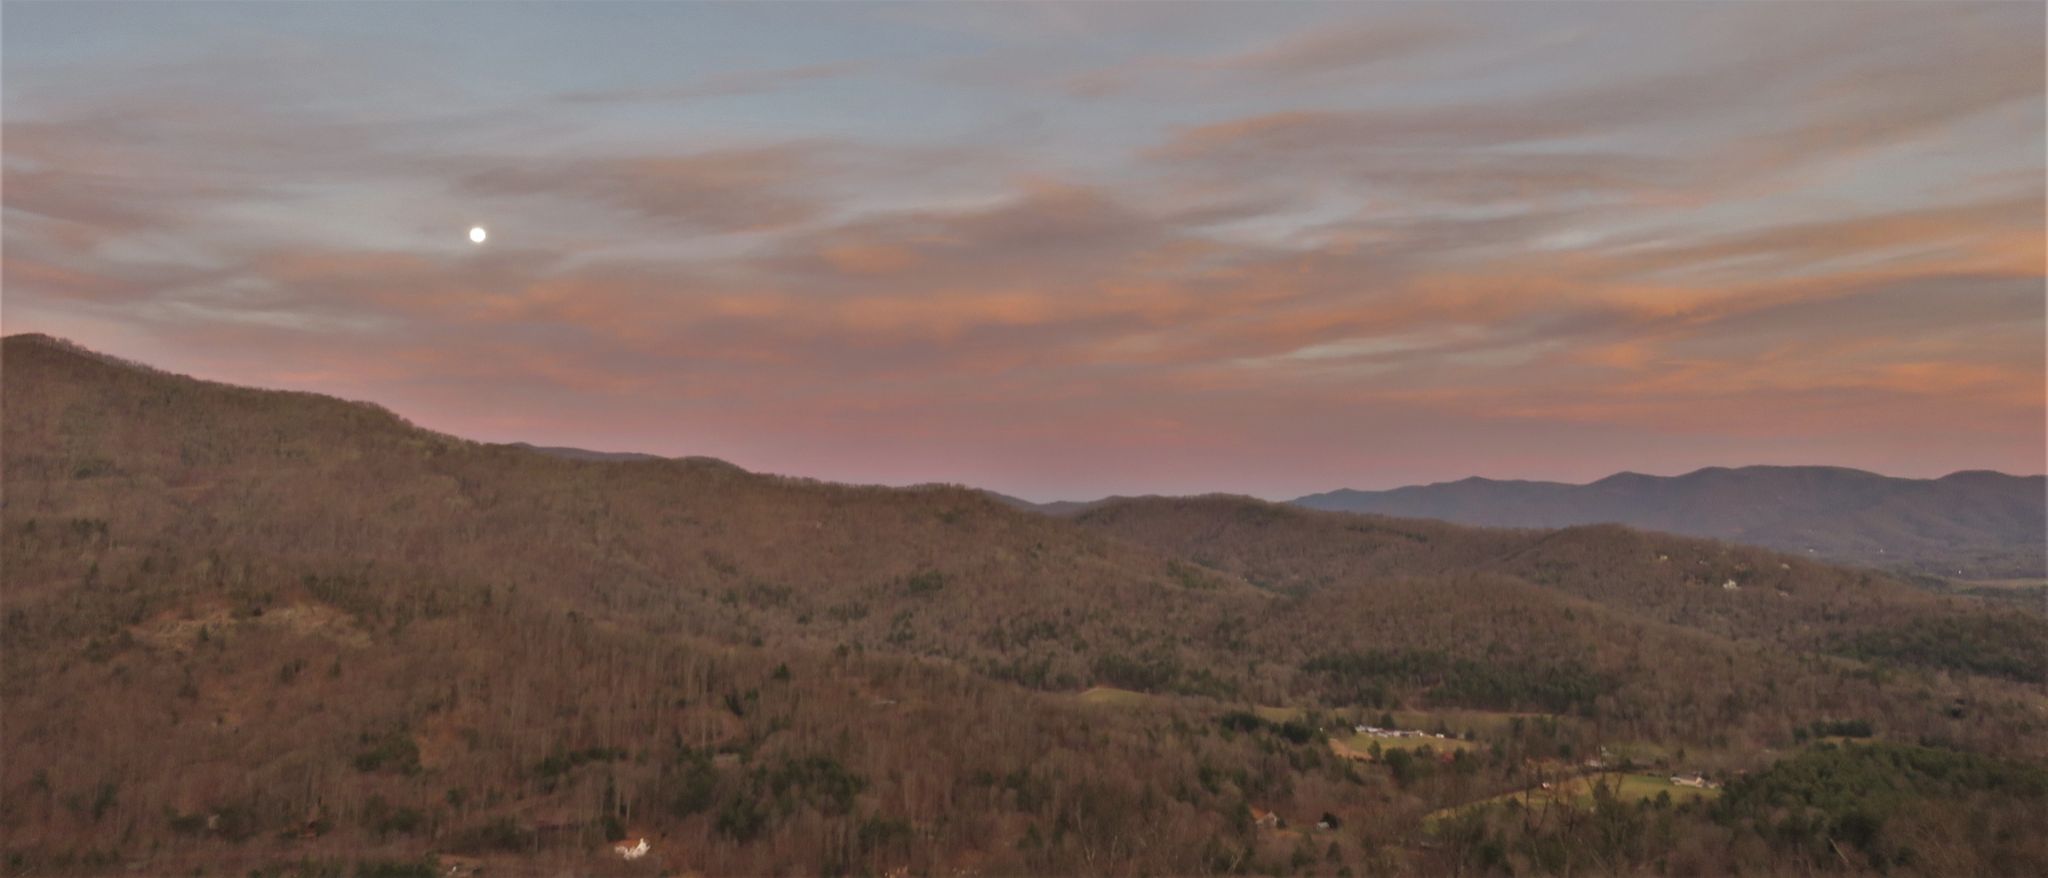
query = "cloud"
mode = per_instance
[
  {"x": 723, "y": 85},
  {"x": 728, "y": 190},
  {"x": 854, "y": 258},
  {"x": 1346, "y": 46},
  {"x": 1786, "y": 229},
  {"x": 1341, "y": 48},
  {"x": 1794, "y": 93}
]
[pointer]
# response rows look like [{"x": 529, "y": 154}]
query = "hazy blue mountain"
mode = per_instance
[
  {"x": 585, "y": 453},
  {"x": 1975, "y": 524}
]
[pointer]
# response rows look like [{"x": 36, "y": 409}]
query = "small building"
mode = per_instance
[{"x": 459, "y": 867}]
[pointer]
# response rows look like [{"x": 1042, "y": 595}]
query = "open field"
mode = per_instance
[
  {"x": 1363, "y": 742},
  {"x": 1636, "y": 787},
  {"x": 1577, "y": 792},
  {"x": 1117, "y": 697},
  {"x": 1277, "y": 714},
  {"x": 1454, "y": 721}
]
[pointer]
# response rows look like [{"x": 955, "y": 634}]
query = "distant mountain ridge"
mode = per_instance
[
  {"x": 1055, "y": 507},
  {"x": 1974, "y": 524},
  {"x": 1970, "y": 524},
  {"x": 567, "y": 453}
]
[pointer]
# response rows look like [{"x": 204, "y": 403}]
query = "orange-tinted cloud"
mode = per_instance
[{"x": 1266, "y": 269}]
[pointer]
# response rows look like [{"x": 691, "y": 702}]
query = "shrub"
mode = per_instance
[{"x": 392, "y": 751}]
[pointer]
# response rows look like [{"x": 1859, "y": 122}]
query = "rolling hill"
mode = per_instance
[
  {"x": 252, "y": 631},
  {"x": 1967, "y": 525}
]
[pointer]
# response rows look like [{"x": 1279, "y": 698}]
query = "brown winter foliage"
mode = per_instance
[{"x": 252, "y": 631}]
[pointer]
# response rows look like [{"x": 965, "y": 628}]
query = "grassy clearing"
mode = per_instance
[
  {"x": 1636, "y": 787},
  {"x": 1363, "y": 742},
  {"x": 1117, "y": 697},
  {"x": 1483, "y": 723},
  {"x": 1577, "y": 792},
  {"x": 1344, "y": 750},
  {"x": 1277, "y": 714},
  {"x": 2021, "y": 583}
]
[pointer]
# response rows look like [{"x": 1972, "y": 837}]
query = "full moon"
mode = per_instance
[{"x": 477, "y": 234}]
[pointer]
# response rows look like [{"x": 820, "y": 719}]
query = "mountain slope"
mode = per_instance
[
  {"x": 249, "y": 629},
  {"x": 1980, "y": 525}
]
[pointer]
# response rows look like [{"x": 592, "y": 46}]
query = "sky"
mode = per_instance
[{"x": 1066, "y": 251}]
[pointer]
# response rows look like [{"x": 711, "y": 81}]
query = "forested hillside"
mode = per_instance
[{"x": 258, "y": 632}]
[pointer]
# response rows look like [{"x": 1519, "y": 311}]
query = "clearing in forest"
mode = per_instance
[
  {"x": 1577, "y": 792},
  {"x": 1363, "y": 741},
  {"x": 1118, "y": 697}
]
